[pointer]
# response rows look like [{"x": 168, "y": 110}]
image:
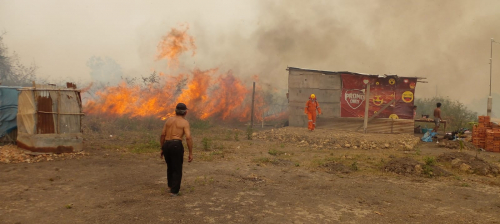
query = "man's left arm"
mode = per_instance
[
  {"x": 317, "y": 107},
  {"x": 189, "y": 140},
  {"x": 162, "y": 139}
]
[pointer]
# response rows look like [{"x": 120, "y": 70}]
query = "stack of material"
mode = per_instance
[{"x": 485, "y": 136}]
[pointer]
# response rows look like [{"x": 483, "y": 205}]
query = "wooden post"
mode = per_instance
[
  {"x": 392, "y": 125},
  {"x": 58, "y": 112},
  {"x": 253, "y": 100},
  {"x": 367, "y": 106},
  {"x": 378, "y": 113},
  {"x": 262, "y": 119}
]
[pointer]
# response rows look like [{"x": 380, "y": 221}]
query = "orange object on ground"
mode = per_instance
[{"x": 311, "y": 106}]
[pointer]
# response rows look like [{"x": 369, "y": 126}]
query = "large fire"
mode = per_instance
[{"x": 209, "y": 94}]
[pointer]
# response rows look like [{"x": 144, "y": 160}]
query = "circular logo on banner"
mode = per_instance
[
  {"x": 393, "y": 116},
  {"x": 407, "y": 97},
  {"x": 377, "y": 100},
  {"x": 412, "y": 85},
  {"x": 377, "y": 83},
  {"x": 354, "y": 98},
  {"x": 392, "y": 81}
]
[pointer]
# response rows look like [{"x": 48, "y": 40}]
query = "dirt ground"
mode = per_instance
[{"x": 298, "y": 179}]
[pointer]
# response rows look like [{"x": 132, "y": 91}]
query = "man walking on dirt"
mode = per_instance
[
  {"x": 437, "y": 117},
  {"x": 174, "y": 130}
]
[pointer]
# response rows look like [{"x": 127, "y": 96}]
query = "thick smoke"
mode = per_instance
[{"x": 448, "y": 42}]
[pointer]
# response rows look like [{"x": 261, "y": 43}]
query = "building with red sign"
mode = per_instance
[{"x": 343, "y": 99}]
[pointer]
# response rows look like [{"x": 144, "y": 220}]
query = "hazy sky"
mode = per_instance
[{"x": 446, "y": 41}]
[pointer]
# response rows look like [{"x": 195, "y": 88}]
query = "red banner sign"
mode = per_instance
[{"x": 382, "y": 91}]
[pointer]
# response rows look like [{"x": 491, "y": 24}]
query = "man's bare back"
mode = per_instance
[
  {"x": 437, "y": 116},
  {"x": 437, "y": 113},
  {"x": 174, "y": 129}
]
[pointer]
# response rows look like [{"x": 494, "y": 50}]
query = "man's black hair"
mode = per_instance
[
  {"x": 438, "y": 104},
  {"x": 180, "y": 112}
]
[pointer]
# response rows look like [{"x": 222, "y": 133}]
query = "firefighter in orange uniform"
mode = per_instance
[{"x": 311, "y": 106}]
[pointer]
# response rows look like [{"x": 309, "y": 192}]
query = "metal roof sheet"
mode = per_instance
[{"x": 352, "y": 73}]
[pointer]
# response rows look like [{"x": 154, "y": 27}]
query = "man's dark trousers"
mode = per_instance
[{"x": 173, "y": 150}]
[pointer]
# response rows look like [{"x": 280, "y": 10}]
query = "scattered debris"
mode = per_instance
[
  {"x": 253, "y": 178},
  {"x": 323, "y": 138},
  {"x": 409, "y": 167},
  {"x": 281, "y": 162},
  {"x": 13, "y": 154}
]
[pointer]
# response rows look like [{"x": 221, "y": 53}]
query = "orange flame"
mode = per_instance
[
  {"x": 208, "y": 94},
  {"x": 174, "y": 44}
]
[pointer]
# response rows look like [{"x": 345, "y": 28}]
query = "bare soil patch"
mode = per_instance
[{"x": 333, "y": 167}]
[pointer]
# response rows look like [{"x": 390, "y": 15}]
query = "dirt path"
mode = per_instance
[{"x": 117, "y": 187}]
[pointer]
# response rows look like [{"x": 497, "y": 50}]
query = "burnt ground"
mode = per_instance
[{"x": 234, "y": 180}]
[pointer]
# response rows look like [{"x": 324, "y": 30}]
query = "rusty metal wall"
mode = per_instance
[
  {"x": 44, "y": 117},
  {"x": 48, "y": 117}
]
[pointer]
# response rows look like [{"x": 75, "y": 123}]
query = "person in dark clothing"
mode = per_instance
[{"x": 174, "y": 130}]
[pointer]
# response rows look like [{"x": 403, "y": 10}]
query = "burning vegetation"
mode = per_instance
[{"x": 209, "y": 94}]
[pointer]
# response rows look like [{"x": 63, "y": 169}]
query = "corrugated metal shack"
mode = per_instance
[
  {"x": 342, "y": 100},
  {"x": 49, "y": 119}
]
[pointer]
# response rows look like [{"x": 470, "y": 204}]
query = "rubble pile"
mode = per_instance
[
  {"x": 336, "y": 139},
  {"x": 469, "y": 163},
  {"x": 12, "y": 154},
  {"x": 409, "y": 167}
]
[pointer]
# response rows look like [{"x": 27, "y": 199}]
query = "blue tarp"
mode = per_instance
[
  {"x": 8, "y": 109},
  {"x": 428, "y": 136}
]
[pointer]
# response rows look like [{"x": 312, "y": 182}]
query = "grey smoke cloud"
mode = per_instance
[{"x": 445, "y": 41}]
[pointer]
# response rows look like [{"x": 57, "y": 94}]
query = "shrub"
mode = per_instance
[
  {"x": 430, "y": 161},
  {"x": 206, "y": 142}
]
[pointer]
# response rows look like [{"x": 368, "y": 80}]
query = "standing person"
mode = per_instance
[
  {"x": 311, "y": 106},
  {"x": 437, "y": 117},
  {"x": 171, "y": 147}
]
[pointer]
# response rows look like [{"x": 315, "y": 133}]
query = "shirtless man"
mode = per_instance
[
  {"x": 171, "y": 147},
  {"x": 437, "y": 117}
]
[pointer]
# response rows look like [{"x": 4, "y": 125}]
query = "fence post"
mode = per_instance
[
  {"x": 367, "y": 105},
  {"x": 253, "y": 100}
]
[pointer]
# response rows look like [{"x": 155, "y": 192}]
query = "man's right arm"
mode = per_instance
[
  {"x": 163, "y": 133},
  {"x": 162, "y": 140}
]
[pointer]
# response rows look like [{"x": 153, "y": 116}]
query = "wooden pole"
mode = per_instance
[
  {"x": 58, "y": 111},
  {"x": 378, "y": 113},
  {"x": 253, "y": 100},
  {"x": 262, "y": 119},
  {"x": 367, "y": 105}
]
